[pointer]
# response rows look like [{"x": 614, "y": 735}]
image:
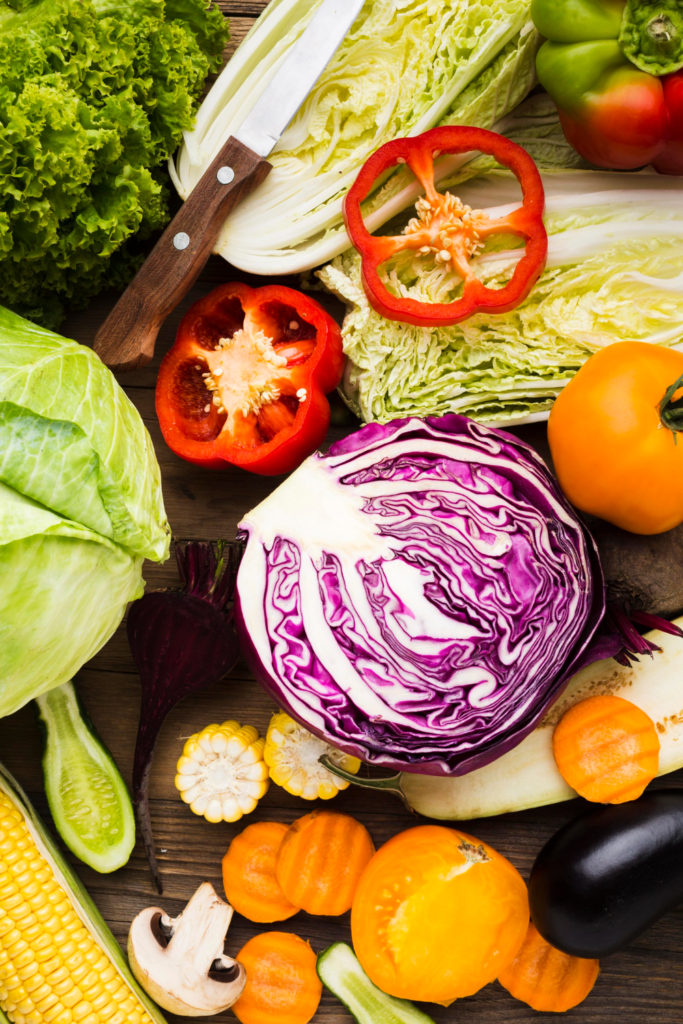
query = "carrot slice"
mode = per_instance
[
  {"x": 282, "y": 982},
  {"x": 545, "y": 978},
  {"x": 320, "y": 861},
  {"x": 607, "y": 749},
  {"x": 249, "y": 873}
]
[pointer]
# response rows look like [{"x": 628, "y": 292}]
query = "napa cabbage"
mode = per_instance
[
  {"x": 613, "y": 274},
  {"x": 404, "y": 66}
]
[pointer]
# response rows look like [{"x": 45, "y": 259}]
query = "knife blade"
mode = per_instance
[{"x": 127, "y": 337}]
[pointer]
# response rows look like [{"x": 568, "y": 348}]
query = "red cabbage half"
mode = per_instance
[{"x": 420, "y": 594}]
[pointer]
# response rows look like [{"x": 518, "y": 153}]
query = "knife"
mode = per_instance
[{"x": 127, "y": 336}]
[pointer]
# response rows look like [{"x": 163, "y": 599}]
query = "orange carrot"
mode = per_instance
[
  {"x": 545, "y": 978},
  {"x": 282, "y": 982},
  {"x": 607, "y": 749},
  {"x": 320, "y": 861},
  {"x": 249, "y": 873}
]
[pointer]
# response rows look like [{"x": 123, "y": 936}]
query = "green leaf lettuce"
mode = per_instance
[{"x": 94, "y": 97}]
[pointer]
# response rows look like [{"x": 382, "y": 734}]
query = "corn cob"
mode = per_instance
[
  {"x": 221, "y": 773},
  {"x": 59, "y": 963},
  {"x": 293, "y": 754}
]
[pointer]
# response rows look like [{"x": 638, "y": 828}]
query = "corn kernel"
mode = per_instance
[{"x": 45, "y": 949}]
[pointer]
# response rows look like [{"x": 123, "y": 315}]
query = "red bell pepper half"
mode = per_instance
[
  {"x": 245, "y": 382},
  {"x": 448, "y": 230}
]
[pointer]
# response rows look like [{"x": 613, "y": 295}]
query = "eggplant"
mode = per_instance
[{"x": 608, "y": 874}]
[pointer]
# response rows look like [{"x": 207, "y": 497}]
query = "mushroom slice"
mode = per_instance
[{"x": 180, "y": 961}]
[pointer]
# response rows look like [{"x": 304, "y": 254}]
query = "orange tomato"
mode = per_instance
[
  {"x": 437, "y": 915},
  {"x": 613, "y": 441}
]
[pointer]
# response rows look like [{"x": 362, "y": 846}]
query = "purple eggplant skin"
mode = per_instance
[{"x": 608, "y": 874}]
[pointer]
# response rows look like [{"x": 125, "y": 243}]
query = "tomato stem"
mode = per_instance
[{"x": 671, "y": 409}]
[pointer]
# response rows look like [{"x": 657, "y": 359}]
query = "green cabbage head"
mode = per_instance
[{"x": 80, "y": 508}]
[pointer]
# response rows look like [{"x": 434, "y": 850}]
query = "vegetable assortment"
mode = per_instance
[{"x": 424, "y": 595}]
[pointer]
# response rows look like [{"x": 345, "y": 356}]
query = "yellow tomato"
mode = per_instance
[
  {"x": 437, "y": 915},
  {"x": 613, "y": 439}
]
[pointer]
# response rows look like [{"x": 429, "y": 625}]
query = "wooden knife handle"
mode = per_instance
[{"x": 126, "y": 338}]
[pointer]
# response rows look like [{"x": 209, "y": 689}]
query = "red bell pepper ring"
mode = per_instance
[
  {"x": 245, "y": 382},
  {"x": 448, "y": 228}
]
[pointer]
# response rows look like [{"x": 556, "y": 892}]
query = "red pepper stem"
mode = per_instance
[{"x": 671, "y": 409}]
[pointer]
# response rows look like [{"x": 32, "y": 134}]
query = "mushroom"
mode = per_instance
[{"x": 180, "y": 961}]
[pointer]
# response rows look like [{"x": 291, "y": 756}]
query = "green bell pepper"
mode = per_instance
[{"x": 613, "y": 67}]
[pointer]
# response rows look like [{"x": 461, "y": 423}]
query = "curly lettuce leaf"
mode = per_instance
[{"x": 94, "y": 97}]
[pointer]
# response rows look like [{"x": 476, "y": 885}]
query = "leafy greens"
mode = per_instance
[
  {"x": 94, "y": 96},
  {"x": 402, "y": 68},
  {"x": 80, "y": 508},
  {"x": 613, "y": 273}
]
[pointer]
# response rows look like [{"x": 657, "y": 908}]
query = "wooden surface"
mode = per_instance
[{"x": 641, "y": 985}]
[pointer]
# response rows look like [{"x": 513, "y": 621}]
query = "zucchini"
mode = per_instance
[
  {"x": 339, "y": 970},
  {"x": 527, "y": 775},
  {"x": 88, "y": 799}
]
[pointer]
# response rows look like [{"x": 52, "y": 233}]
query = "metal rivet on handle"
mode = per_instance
[
  {"x": 225, "y": 175},
  {"x": 181, "y": 240}
]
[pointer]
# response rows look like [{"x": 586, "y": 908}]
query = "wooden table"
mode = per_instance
[{"x": 641, "y": 985}]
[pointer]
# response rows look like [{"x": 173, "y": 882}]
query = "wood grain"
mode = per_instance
[{"x": 641, "y": 985}]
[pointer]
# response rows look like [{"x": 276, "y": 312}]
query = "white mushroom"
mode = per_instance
[{"x": 180, "y": 961}]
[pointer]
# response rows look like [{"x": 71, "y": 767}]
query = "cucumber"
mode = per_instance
[
  {"x": 88, "y": 799},
  {"x": 339, "y": 970}
]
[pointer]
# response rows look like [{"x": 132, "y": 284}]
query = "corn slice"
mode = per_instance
[
  {"x": 221, "y": 773},
  {"x": 293, "y": 755}
]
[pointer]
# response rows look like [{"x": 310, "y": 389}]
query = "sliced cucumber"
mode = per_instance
[
  {"x": 339, "y": 970},
  {"x": 88, "y": 799}
]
